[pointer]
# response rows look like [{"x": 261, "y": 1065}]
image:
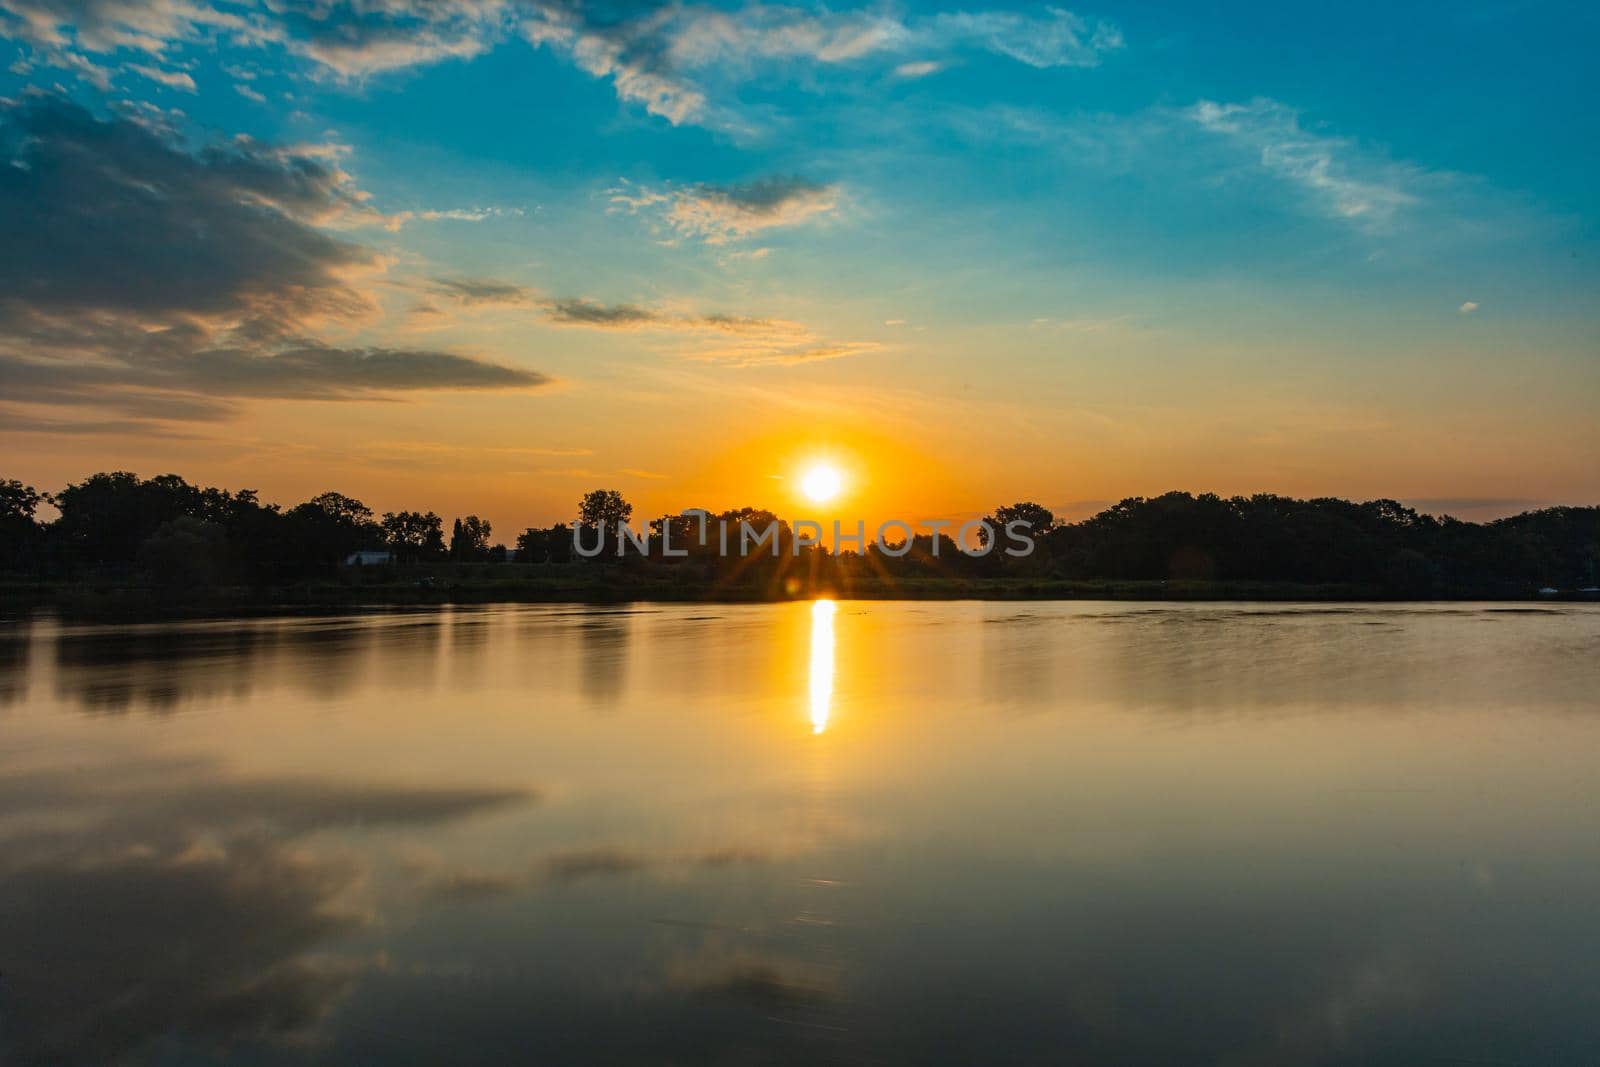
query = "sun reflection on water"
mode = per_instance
[{"x": 821, "y": 663}]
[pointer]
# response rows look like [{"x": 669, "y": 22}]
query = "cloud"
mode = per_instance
[
  {"x": 172, "y": 79},
  {"x": 15, "y": 421},
  {"x": 1468, "y": 307},
  {"x": 322, "y": 372},
  {"x": 361, "y": 39},
  {"x": 481, "y": 291},
  {"x": 665, "y": 58},
  {"x": 731, "y": 340},
  {"x": 584, "y": 312},
  {"x": 399, "y": 219},
  {"x": 680, "y": 61},
  {"x": 766, "y": 354},
  {"x": 196, "y": 385},
  {"x": 919, "y": 69},
  {"x": 112, "y": 217},
  {"x": 142, "y": 267},
  {"x": 102, "y": 26},
  {"x": 719, "y": 214},
  {"x": 1057, "y": 39},
  {"x": 714, "y": 337},
  {"x": 347, "y": 40},
  {"x": 1340, "y": 179}
]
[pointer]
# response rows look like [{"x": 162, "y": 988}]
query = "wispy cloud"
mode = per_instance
[
  {"x": 680, "y": 61},
  {"x": 1340, "y": 178},
  {"x": 482, "y": 291},
  {"x": 666, "y": 59},
  {"x": 918, "y": 69},
  {"x": 717, "y": 214},
  {"x": 579, "y": 311},
  {"x": 398, "y": 220},
  {"x": 1055, "y": 39},
  {"x": 699, "y": 336},
  {"x": 172, "y": 79}
]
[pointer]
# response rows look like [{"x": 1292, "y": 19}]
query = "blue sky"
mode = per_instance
[{"x": 1325, "y": 236}]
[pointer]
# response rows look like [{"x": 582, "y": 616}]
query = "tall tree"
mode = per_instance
[
  {"x": 20, "y": 534},
  {"x": 469, "y": 539},
  {"x": 603, "y": 509},
  {"x": 414, "y": 536}
]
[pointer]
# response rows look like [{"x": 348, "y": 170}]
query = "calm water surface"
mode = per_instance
[{"x": 854, "y": 833}]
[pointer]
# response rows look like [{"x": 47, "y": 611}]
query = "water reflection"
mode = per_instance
[
  {"x": 822, "y": 612},
  {"x": 1085, "y": 832},
  {"x": 158, "y": 898},
  {"x": 606, "y": 635}
]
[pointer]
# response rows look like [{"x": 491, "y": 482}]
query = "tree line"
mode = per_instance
[{"x": 164, "y": 529}]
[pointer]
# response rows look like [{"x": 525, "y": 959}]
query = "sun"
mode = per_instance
[{"x": 821, "y": 483}]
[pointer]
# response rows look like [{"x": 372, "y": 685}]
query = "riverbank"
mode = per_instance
[{"x": 483, "y": 585}]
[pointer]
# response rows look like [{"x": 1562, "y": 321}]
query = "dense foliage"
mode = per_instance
[{"x": 164, "y": 530}]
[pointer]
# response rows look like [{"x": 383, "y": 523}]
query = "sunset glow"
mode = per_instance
[
  {"x": 676, "y": 532},
  {"x": 821, "y": 483}
]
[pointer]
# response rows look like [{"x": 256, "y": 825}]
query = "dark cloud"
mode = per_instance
[
  {"x": 357, "y": 39},
  {"x": 768, "y": 196},
  {"x": 109, "y": 216},
  {"x": 157, "y": 281},
  {"x": 481, "y": 291},
  {"x": 579, "y": 312},
  {"x": 321, "y": 372}
]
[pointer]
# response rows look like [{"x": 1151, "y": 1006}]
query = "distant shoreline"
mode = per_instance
[{"x": 119, "y": 600}]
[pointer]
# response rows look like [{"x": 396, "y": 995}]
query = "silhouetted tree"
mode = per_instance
[
  {"x": 1038, "y": 517},
  {"x": 414, "y": 536},
  {"x": 469, "y": 539},
  {"x": 20, "y": 534},
  {"x": 118, "y": 525},
  {"x": 603, "y": 509},
  {"x": 188, "y": 551},
  {"x": 326, "y": 529},
  {"x": 344, "y": 508}
]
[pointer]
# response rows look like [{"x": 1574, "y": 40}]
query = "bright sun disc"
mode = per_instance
[{"x": 821, "y": 483}]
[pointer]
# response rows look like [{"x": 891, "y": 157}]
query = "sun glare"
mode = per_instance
[
  {"x": 821, "y": 483},
  {"x": 821, "y": 663}
]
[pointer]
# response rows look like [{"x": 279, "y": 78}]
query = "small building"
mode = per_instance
[{"x": 368, "y": 557}]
